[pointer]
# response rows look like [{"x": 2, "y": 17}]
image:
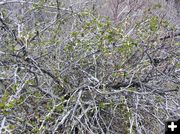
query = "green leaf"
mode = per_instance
[
  {"x": 2, "y": 104},
  {"x": 101, "y": 105},
  {"x": 178, "y": 65},
  {"x": 37, "y": 94},
  {"x": 177, "y": 44},
  {"x": 5, "y": 112},
  {"x": 5, "y": 96},
  {"x": 14, "y": 87},
  {"x": 60, "y": 108},
  {"x": 154, "y": 23},
  {"x": 157, "y": 6},
  {"x": 74, "y": 34},
  {"x": 9, "y": 105},
  {"x": 12, "y": 127},
  {"x": 4, "y": 13}
]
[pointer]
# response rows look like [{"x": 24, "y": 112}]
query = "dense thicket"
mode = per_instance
[{"x": 68, "y": 69}]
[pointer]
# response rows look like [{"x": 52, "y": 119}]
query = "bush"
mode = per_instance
[{"x": 75, "y": 71}]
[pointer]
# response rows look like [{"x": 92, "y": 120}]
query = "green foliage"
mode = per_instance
[
  {"x": 154, "y": 23},
  {"x": 39, "y": 5},
  {"x": 157, "y": 6},
  {"x": 59, "y": 108},
  {"x": 5, "y": 105},
  {"x": 101, "y": 105},
  {"x": 5, "y": 96}
]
